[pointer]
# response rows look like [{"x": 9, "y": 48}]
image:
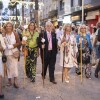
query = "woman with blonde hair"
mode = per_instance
[
  {"x": 84, "y": 38},
  {"x": 12, "y": 42},
  {"x": 32, "y": 46},
  {"x": 68, "y": 50}
]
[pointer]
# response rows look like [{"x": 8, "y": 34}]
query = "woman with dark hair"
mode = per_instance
[{"x": 32, "y": 47}]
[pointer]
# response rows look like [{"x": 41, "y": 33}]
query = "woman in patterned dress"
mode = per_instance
[
  {"x": 68, "y": 47},
  {"x": 32, "y": 47},
  {"x": 84, "y": 38}
]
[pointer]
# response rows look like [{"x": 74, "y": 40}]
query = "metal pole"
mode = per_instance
[
  {"x": 36, "y": 12},
  {"x": 22, "y": 13},
  {"x": 16, "y": 14},
  {"x": 82, "y": 11},
  {"x": 81, "y": 65}
]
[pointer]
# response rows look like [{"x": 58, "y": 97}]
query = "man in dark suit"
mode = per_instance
[{"x": 48, "y": 49}]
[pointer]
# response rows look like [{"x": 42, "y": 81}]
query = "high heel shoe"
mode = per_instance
[{"x": 67, "y": 81}]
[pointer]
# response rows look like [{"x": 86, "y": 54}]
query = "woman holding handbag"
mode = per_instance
[
  {"x": 2, "y": 47},
  {"x": 12, "y": 42},
  {"x": 32, "y": 48}
]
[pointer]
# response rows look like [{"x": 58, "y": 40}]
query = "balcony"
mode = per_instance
[
  {"x": 53, "y": 13},
  {"x": 77, "y": 8}
]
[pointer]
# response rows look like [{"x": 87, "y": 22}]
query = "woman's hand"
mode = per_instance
[
  {"x": 10, "y": 46},
  {"x": 63, "y": 40},
  {"x": 64, "y": 44},
  {"x": 43, "y": 46},
  {"x": 24, "y": 42}
]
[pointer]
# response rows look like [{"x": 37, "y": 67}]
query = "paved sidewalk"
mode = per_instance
[{"x": 88, "y": 90}]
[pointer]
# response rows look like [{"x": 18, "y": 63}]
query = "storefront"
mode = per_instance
[
  {"x": 67, "y": 19},
  {"x": 76, "y": 19},
  {"x": 92, "y": 18}
]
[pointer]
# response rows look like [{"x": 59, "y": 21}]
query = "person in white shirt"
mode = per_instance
[{"x": 59, "y": 32}]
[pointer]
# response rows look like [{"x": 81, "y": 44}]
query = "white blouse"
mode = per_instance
[{"x": 10, "y": 40}]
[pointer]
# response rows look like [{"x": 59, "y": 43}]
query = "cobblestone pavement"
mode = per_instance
[{"x": 88, "y": 90}]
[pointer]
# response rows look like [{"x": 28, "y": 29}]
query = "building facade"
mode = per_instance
[
  {"x": 50, "y": 11},
  {"x": 91, "y": 12}
]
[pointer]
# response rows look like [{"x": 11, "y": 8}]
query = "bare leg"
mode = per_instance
[
  {"x": 16, "y": 82},
  {"x": 9, "y": 82},
  {"x": 66, "y": 75}
]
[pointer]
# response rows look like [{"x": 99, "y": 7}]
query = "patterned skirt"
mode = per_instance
[{"x": 31, "y": 61}]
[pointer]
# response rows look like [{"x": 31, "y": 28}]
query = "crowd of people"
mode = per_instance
[{"x": 76, "y": 44}]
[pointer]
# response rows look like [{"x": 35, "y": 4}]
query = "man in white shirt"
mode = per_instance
[{"x": 59, "y": 32}]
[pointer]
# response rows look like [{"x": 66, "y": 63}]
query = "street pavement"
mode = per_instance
[{"x": 75, "y": 90}]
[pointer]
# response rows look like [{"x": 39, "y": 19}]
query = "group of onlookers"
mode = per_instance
[{"x": 76, "y": 45}]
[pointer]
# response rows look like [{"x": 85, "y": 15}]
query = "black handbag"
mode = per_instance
[{"x": 4, "y": 58}]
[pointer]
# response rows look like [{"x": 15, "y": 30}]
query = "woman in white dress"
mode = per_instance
[
  {"x": 12, "y": 43},
  {"x": 2, "y": 47},
  {"x": 68, "y": 50}
]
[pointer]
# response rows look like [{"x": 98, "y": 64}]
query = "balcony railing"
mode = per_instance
[{"x": 53, "y": 13}]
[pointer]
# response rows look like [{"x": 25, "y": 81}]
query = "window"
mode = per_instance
[
  {"x": 71, "y": 3},
  {"x": 61, "y": 5},
  {"x": 75, "y": 2},
  {"x": 80, "y": 2}
]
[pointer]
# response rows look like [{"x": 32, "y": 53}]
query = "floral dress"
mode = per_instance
[
  {"x": 68, "y": 52},
  {"x": 86, "y": 53}
]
